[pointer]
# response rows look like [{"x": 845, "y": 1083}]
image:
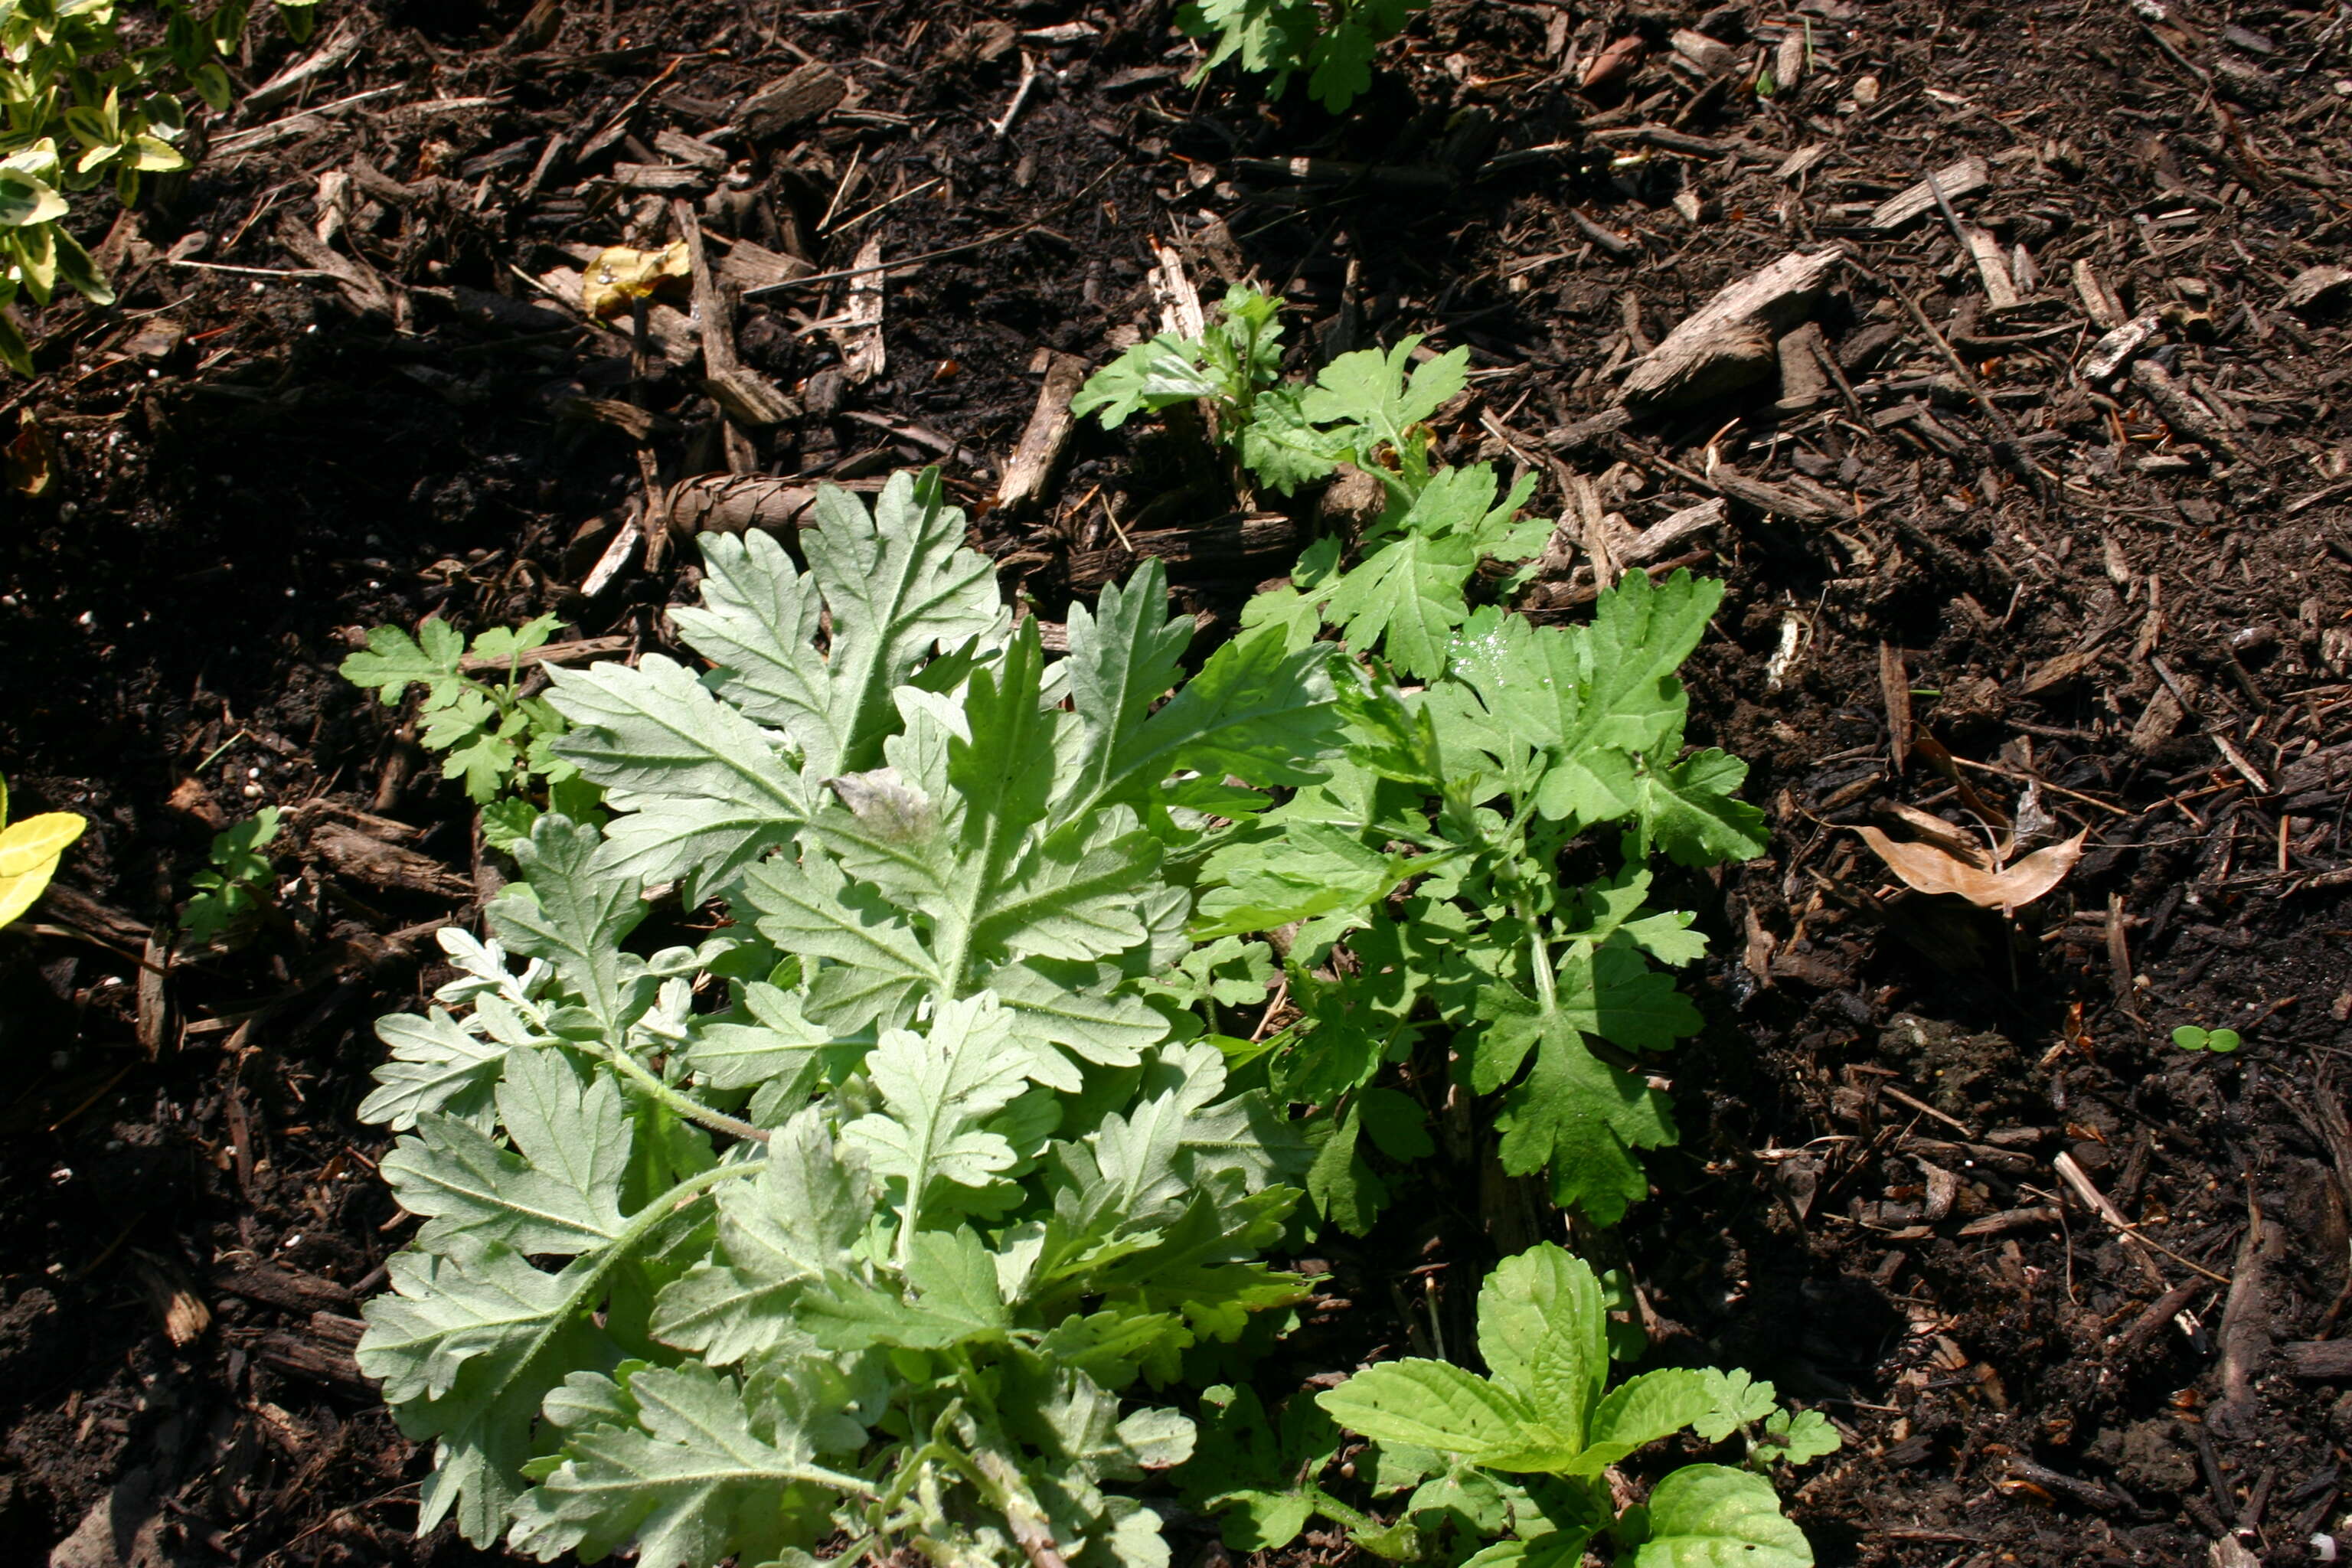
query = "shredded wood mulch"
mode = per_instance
[{"x": 1994, "y": 357}]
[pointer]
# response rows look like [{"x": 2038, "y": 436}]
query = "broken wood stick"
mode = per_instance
[
  {"x": 741, "y": 393},
  {"x": 1915, "y": 201},
  {"x": 1728, "y": 342},
  {"x": 1047, "y": 436}
]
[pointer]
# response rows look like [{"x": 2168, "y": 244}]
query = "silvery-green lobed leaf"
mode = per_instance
[
  {"x": 467, "y": 1343},
  {"x": 436, "y": 1065},
  {"x": 690, "y": 1484},
  {"x": 795, "y": 1223},
  {"x": 557, "y": 1191}
]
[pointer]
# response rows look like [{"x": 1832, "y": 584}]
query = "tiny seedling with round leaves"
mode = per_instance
[{"x": 2190, "y": 1037}]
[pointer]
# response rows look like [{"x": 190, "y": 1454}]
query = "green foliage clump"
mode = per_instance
[
  {"x": 1333, "y": 41},
  {"x": 85, "y": 102},
  {"x": 856, "y": 1218},
  {"x": 1512, "y": 1463}
]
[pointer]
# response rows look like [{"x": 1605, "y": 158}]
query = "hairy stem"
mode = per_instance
[{"x": 643, "y": 1079}]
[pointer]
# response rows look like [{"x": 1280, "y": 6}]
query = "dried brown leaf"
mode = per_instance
[{"x": 1929, "y": 870}]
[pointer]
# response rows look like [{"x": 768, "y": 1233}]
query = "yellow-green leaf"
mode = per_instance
[{"x": 27, "y": 843}]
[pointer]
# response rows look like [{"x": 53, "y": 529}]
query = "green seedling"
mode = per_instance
[
  {"x": 1333, "y": 41},
  {"x": 2190, "y": 1037},
  {"x": 499, "y": 743},
  {"x": 1236, "y": 359},
  {"x": 236, "y": 884},
  {"x": 1519, "y": 1457}
]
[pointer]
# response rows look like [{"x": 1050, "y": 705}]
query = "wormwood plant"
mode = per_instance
[
  {"x": 1520, "y": 1454},
  {"x": 854, "y": 1217},
  {"x": 498, "y": 741},
  {"x": 83, "y": 102},
  {"x": 1332, "y": 40}
]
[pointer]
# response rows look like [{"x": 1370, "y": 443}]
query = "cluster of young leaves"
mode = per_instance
[
  {"x": 1333, "y": 41},
  {"x": 1236, "y": 363},
  {"x": 234, "y": 884},
  {"x": 1406, "y": 591},
  {"x": 1516, "y": 1459},
  {"x": 499, "y": 743},
  {"x": 81, "y": 104},
  {"x": 856, "y": 1218},
  {"x": 1426, "y": 878}
]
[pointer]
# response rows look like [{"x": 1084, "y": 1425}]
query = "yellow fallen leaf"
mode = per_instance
[
  {"x": 1929, "y": 870},
  {"x": 620, "y": 274},
  {"x": 24, "y": 845}
]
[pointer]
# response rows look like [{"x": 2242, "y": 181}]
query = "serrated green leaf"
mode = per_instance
[
  {"x": 1580, "y": 1118},
  {"x": 898, "y": 584},
  {"x": 1542, "y": 1331},
  {"x": 575, "y": 919},
  {"x": 797, "y": 1222},
  {"x": 393, "y": 660},
  {"x": 555, "y": 1193},
  {"x": 689, "y": 1485},
  {"x": 1796, "y": 1437},
  {"x": 1641, "y": 1410},
  {"x": 698, "y": 789},
  {"x": 1736, "y": 1400},
  {"x": 436, "y": 1066},
  {"x": 1257, "y": 712},
  {"x": 1707, "y": 1516},
  {"x": 1431, "y": 1404},
  {"x": 1154, "y": 374},
  {"x": 467, "y": 1345},
  {"x": 1406, "y": 598},
  {"x": 939, "y": 1089},
  {"x": 1689, "y": 808}
]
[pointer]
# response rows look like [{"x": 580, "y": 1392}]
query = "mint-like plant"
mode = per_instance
[
  {"x": 855, "y": 1219},
  {"x": 1332, "y": 40},
  {"x": 1520, "y": 1453}
]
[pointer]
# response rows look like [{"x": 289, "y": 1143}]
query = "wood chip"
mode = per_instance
[
  {"x": 1805, "y": 384},
  {"x": 813, "y": 89},
  {"x": 863, "y": 354},
  {"x": 1955, "y": 180},
  {"x": 1894, "y": 691},
  {"x": 2099, "y": 301},
  {"x": 2314, "y": 286},
  {"x": 1728, "y": 342},
  {"x": 1669, "y": 531},
  {"x": 1993, "y": 268},
  {"x": 154, "y": 1010},
  {"x": 371, "y": 862},
  {"x": 2110, "y": 353},
  {"x": 2188, "y": 417},
  {"x": 730, "y": 503},
  {"x": 1031, "y": 467}
]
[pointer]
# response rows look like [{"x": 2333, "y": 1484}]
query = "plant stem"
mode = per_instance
[{"x": 693, "y": 1110}]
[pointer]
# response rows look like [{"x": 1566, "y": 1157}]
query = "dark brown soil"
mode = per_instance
[{"x": 2151, "y": 626}]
